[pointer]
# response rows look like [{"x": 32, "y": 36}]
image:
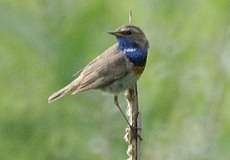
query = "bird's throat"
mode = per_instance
[{"x": 133, "y": 51}]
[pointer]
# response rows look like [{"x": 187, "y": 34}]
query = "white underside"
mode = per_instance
[{"x": 121, "y": 84}]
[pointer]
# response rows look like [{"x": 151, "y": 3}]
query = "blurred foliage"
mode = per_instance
[{"x": 184, "y": 92}]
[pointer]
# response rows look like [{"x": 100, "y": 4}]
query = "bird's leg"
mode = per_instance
[
  {"x": 120, "y": 110},
  {"x": 133, "y": 129}
]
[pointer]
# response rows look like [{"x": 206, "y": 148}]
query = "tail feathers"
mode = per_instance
[{"x": 55, "y": 96}]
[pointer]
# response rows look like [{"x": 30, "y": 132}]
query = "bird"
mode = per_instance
[{"x": 115, "y": 70}]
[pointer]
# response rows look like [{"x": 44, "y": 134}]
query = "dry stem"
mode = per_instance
[{"x": 132, "y": 138}]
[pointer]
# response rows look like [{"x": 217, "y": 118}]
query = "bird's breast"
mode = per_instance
[
  {"x": 133, "y": 51},
  {"x": 137, "y": 56},
  {"x": 138, "y": 70},
  {"x": 121, "y": 84}
]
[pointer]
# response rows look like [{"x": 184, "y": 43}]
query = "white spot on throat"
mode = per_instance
[{"x": 129, "y": 50}]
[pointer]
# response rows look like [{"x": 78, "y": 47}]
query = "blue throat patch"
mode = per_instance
[{"x": 135, "y": 53}]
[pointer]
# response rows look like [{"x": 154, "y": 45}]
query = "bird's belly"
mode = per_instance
[{"x": 122, "y": 84}]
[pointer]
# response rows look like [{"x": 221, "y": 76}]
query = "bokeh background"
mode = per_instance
[{"x": 184, "y": 93}]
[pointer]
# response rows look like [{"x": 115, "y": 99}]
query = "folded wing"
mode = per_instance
[{"x": 103, "y": 70}]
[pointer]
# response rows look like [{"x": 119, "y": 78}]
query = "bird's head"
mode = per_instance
[{"x": 131, "y": 34}]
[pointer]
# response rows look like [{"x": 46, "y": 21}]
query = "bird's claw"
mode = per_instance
[{"x": 134, "y": 132}]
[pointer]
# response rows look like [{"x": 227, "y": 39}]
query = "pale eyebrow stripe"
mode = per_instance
[{"x": 136, "y": 30}]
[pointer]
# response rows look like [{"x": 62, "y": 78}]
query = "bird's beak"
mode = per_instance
[{"x": 115, "y": 33}]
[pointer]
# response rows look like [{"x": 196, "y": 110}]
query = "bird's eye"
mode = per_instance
[{"x": 128, "y": 32}]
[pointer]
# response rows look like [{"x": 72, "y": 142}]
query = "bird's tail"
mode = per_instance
[
  {"x": 71, "y": 87},
  {"x": 55, "y": 96}
]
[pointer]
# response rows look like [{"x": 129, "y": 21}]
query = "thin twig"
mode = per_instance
[
  {"x": 132, "y": 137},
  {"x": 130, "y": 16},
  {"x": 133, "y": 132}
]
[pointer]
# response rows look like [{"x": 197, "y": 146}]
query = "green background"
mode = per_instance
[{"x": 184, "y": 93}]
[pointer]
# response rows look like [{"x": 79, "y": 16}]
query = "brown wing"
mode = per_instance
[{"x": 104, "y": 69}]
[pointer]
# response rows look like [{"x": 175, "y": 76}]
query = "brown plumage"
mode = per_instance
[
  {"x": 102, "y": 71},
  {"x": 116, "y": 69}
]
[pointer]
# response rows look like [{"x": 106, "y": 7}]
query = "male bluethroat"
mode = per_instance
[{"x": 116, "y": 69}]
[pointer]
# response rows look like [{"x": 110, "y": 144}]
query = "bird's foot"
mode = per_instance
[{"x": 134, "y": 132}]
